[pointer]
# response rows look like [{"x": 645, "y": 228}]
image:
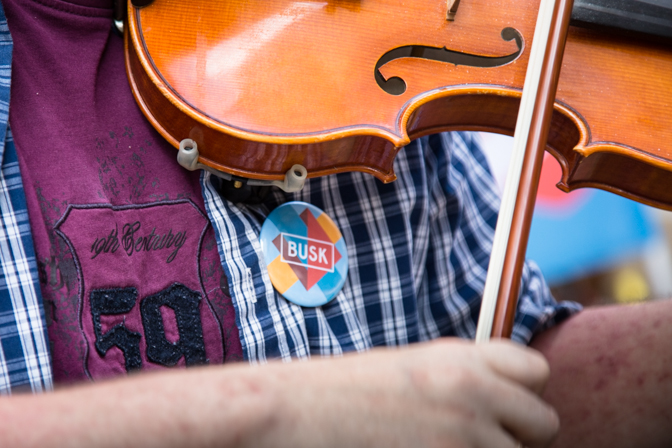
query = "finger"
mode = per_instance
[
  {"x": 494, "y": 436},
  {"x": 524, "y": 415},
  {"x": 518, "y": 363}
]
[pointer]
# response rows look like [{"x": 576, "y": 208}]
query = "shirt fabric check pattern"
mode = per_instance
[
  {"x": 418, "y": 249},
  {"x": 24, "y": 352}
]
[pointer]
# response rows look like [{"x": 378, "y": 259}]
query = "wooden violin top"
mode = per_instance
[{"x": 341, "y": 85}]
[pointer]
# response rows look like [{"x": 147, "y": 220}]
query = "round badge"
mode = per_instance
[{"x": 305, "y": 254}]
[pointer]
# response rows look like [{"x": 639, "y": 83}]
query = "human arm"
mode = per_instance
[
  {"x": 611, "y": 376},
  {"x": 444, "y": 393}
]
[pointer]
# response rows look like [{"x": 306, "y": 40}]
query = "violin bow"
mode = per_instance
[{"x": 502, "y": 285}]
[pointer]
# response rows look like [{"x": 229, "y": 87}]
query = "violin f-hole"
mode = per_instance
[{"x": 397, "y": 86}]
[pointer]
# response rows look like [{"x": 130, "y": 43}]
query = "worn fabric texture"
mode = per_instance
[
  {"x": 143, "y": 267},
  {"x": 110, "y": 209}
]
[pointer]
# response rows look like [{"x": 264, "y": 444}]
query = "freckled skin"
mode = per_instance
[
  {"x": 611, "y": 377},
  {"x": 447, "y": 393}
]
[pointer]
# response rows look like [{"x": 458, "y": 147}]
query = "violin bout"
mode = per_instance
[{"x": 337, "y": 86}]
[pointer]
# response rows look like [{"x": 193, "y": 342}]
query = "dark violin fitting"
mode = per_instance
[
  {"x": 237, "y": 190},
  {"x": 120, "y": 10},
  {"x": 119, "y": 14},
  {"x": 121, "y": 5},
  {"x": 141, "y": 3}
]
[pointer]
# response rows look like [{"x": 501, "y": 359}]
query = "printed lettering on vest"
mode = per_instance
[
  {"x": 133, "y": 241},
  {"x": 141, "y": 298}
]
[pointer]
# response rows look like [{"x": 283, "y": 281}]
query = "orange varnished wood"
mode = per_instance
[{"x": 262, "y": 85}]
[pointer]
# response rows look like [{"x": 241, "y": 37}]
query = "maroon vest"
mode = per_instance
[{"x": 129, "y": 267}]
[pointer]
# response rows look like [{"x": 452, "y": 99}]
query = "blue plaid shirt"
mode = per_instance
[
  {"x": 24, "y": 352},
  {"x": 418, "y": 251}
]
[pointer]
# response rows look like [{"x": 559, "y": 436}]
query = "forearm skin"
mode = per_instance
[
  {"x": 175, "y": 409},
  {"x": 611, "y": 376}
]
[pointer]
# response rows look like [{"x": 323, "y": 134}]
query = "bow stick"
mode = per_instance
[{"x": 502, "y": 285}]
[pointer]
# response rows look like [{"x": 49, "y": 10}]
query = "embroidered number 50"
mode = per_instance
[{"x": 184, "y": 303}]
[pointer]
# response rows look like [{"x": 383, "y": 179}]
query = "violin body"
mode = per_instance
[{"x": 342, "y": 85}]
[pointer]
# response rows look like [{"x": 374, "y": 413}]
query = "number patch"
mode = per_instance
[
  {"x": 180, "y": 299},
  {"x": 142, "y": 298}
]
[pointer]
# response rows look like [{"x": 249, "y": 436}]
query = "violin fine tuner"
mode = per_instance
[{"x": 295, "y": 178}]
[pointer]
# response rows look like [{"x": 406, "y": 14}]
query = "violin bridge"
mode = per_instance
[{"x": 452, "y": 9}]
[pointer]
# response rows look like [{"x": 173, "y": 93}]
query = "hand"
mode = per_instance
[{"x": 447, "y": 393}]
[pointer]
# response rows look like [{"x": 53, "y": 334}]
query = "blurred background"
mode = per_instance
[{"x": 593, "y": 247}]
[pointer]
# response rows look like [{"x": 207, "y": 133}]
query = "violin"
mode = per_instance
[{"x": 278, "y": 91}]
